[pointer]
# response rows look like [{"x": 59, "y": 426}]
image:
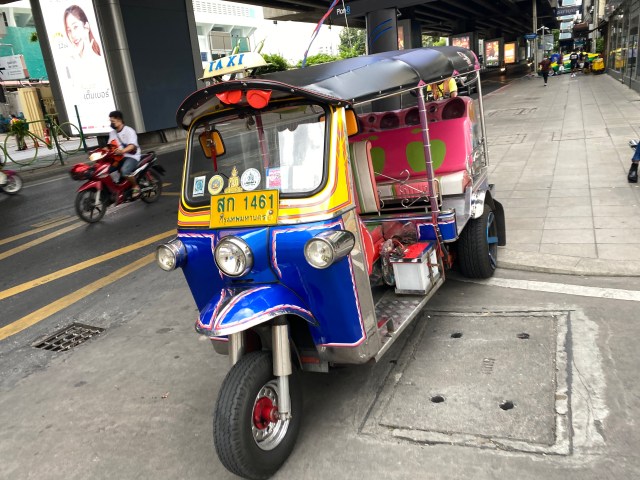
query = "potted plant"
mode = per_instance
[{"x": 19, "y": 128}]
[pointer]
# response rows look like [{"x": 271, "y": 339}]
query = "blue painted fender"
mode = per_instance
[{"x": 235, "y": 310}]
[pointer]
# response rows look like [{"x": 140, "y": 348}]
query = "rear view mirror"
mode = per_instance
[{"x": 212, "y": 144}]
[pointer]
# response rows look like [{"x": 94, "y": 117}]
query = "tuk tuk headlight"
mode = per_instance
[
  {"x": 172, "y": 255},
  {"x": 326, "y": 248},
  {"x": 233, "y": 256}
]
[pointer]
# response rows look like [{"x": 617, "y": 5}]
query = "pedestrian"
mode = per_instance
[
  {"x": 574, "y": 62},
  {"x": 633, "y": 171},
  {"x": 545, "y": 66}
]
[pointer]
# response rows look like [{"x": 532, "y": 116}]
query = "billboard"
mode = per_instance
[
  {"x": 492, "y": 52},
  {"x": 463, "y": 41},
  {"x": 510, "y": 52},
  {"x": 79, "y": 59}
]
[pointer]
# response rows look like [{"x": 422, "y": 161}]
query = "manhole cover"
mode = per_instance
[
  {"x": 69, "y": 337},
  {"x": 494, "y": 386}
]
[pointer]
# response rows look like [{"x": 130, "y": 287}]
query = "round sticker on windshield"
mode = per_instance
[
  {"x": 250, "y": 179},
  {"x": 216, "y": 184}
]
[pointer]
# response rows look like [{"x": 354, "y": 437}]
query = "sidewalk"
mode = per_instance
[{"x": 559, "y": 159}]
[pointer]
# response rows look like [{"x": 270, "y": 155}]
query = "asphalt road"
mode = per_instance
[{"x": 41, "y": 236}]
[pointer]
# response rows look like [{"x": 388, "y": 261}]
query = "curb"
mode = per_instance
[{"x": 566, "y": 265}]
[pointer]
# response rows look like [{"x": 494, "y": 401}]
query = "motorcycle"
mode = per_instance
[
  {"x": 10, "y": 182},
  {"x": 100, "y": 189}
]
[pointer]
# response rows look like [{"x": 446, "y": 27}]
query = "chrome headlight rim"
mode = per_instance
[
  {"x": 174, "y": 249},
  {"x": 310, "y": 242},
  {"x": 244, "y": 249},
  {"x": 340, "y": 243}
]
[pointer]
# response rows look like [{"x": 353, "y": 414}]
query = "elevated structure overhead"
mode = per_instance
[{"x": 489, "y": 18}]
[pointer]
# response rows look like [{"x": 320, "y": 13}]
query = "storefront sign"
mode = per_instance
[
  {"x": 13, "y": 68},
  {"x": 572, "y": 10}
]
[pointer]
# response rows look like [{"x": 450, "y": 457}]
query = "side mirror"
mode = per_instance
[
  {"x": 352, "y": 123},
  {"x": 212, "y": 144}
]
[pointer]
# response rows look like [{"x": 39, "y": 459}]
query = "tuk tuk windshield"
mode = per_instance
[{"x": 281, "y": 148}]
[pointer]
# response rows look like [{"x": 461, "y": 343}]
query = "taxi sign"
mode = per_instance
[
  {"x": 233, "y": 64},
  {"x": 244, "y": 209}
]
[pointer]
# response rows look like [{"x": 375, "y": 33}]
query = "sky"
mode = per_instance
[{"x": 291, "y": 39}]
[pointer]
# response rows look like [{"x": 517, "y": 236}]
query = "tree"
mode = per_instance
[
  {"x": 431, "y": 41},
  {"x": 353, "y": 42},
  {"x": 276, "y": 63},
  {"x": 317, "y": 59}
]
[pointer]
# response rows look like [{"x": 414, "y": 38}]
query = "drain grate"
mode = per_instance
[{"x": 68, "y": 337}]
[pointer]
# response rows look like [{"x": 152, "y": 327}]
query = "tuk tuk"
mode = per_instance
[{"x": 321, "y": 208}]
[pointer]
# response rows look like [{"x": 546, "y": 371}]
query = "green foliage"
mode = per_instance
[
  {"x": 431, "y": 41},
  {"x": 19, "y": 128},
  {"x": 33, "y": 37},
  {"x": 600, "y": 45},
  {"x": 353, "y": 42},
  {"x": 318, "y": 59},
  {"x": 277, "y": 63}
]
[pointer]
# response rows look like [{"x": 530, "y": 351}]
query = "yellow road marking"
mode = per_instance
[
  {"x": 64, "y": 302},
  {"x": 52, "y": 220},
  {"x": 82, "y": 265},
  {"x": 38, "y": 241},
  {"x": 41, "y": 228}
]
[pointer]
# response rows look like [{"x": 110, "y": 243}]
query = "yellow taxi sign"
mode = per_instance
[{"x": 233, "y": 64}]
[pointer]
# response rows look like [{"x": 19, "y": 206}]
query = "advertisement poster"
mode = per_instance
[
  {"x": 510, "y": 53},
  {"x": 463, "y": 41},
  {"x": 492, "y": 53},
  {"x": 78, "y": 56}
]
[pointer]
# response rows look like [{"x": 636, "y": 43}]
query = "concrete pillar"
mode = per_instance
[{"x": 382, "y": 30}]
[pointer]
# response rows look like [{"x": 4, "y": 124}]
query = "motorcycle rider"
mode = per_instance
[{"x": 127, "y": 140}]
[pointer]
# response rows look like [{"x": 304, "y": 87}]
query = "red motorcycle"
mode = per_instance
[
  {"x": 10, "y": 182},
  {"x": 100, "y": 190}
]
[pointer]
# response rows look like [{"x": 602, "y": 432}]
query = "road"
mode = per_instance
[{"x": 51, "y": 254}]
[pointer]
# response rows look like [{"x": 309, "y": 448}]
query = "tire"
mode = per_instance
[
  {"x": 17, "y": 154},
  {"x": 69, "y": 137},
  {"x": 478, "y": 246},
  {"x": 86, "y": 208},
  {"x": 13, "y": 185},
  {"x": 235, "y": 432},
  {"x": 150, "y": 186}
]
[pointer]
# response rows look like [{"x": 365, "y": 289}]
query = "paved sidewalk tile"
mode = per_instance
[{"x": 568, "y": 205}]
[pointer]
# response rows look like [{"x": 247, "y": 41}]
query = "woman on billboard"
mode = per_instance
[{"x": 79, "y": 33}]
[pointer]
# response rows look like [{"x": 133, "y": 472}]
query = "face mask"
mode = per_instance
[{"x": 112, "y": 125}]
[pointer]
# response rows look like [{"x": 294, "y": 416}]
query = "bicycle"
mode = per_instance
[{"x": 65, "y": 137}]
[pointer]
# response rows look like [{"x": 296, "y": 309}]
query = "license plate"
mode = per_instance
[{"x": 244, "y": 209}]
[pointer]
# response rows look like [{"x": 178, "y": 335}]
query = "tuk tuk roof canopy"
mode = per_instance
[{"x": 352, "y": 80}]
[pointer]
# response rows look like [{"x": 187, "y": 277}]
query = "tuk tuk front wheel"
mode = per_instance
[
  {"x": 478, "y": 246},
  {"x": 250, "y": 440}
]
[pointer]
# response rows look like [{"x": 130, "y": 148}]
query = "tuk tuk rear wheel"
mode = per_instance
[
  {"x": 478, "y": 246},
  {"x": 248, "y": 441}
]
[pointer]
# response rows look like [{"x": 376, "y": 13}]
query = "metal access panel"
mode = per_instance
[{"x": 489, "y": 380}]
